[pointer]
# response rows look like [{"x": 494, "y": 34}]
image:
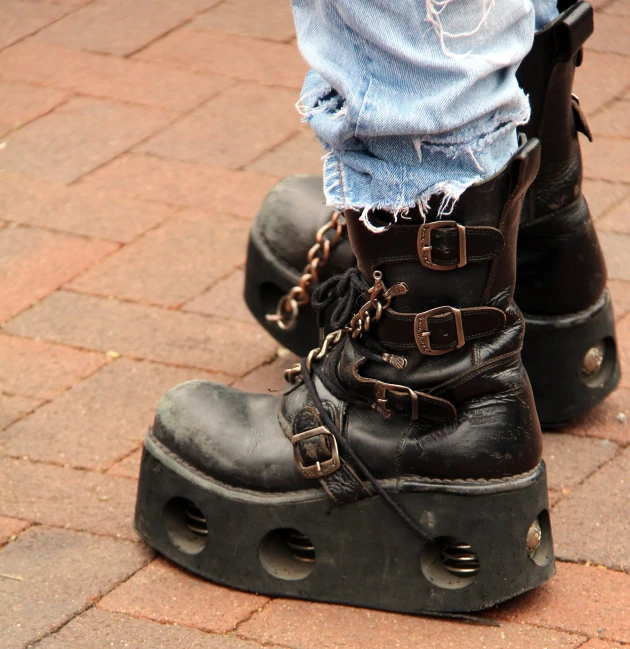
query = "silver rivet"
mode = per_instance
[
  {"x": 593, "y": 360},
  {"x": 534, "y": 537}
]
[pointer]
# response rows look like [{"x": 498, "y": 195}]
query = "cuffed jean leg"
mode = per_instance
[{"x": 412, "y": 98}]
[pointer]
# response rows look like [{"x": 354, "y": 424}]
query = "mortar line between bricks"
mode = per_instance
[
  {"x": 607, "y": 104},
  {"x": 251, "y": 615},
  {"x": 614, "y": 205},
  {"x": 26, "y": 414},
  {"x": 155, "y": 305},
  {"x": 132, "y": 357},
  {"x": 37, "y": 641},
  {"x": 69, "y": 465},
  {"x": 70, "y": 95},
  {"x": 15, "y": 537},
  {"x": 54, "y": 290},
  {"x": 67, "y": 528},
  {"x": 85, "y": 180},
  {"x": 184, "y": 22},
  {"x": 137, "y": 143},
  {"x": 618, "y": 452},
  {"x": 275, "y": 147},
  {"x": 39, "y": 29},
  {"x": 114, "y": 57},
  {"x": 48, "y": 228},
  {"x": 81, "y": 94},
  {"x": 122, "y": 459},
  {"x": 274, "y": 41},
  {"x": 212, "y": 284},
  {"x": 271, "y": 643}
]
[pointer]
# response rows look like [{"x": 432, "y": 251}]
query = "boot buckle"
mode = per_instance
[
  {"x": 422, "y": 331},
  {"x": 425, "y": 249},
  {"x": 319, "y": 469}
]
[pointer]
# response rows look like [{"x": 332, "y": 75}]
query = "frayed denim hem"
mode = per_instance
[{"x": 360, "y": 181}]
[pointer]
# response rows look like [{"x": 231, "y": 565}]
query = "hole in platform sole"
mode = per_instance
[
  {"x": 449, "y": 563},
  {"x": 287, "y": 554},
  {"x": 186, "y": 525}
]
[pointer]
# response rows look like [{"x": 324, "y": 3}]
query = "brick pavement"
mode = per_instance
[{"x": 137, "y": 140}]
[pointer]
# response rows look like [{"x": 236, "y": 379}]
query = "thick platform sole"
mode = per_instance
[
  {"x": 300, "y": 545},
  {"x": 572, "y": 361},
  {"x": 553, "y": 354}
]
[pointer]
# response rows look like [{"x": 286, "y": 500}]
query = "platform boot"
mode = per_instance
[
  {"x": 401, "y": 469},
  {"x": 570, "y": 350}
]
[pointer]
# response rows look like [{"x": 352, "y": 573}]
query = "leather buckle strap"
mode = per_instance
[
  {"x": 447, "y": 245},
  {"x": 319, "y": 469},
  {"x": 382, "y": 392},
  {"x": 445, "y": 328},
  {"x": 425, "y": 249}
]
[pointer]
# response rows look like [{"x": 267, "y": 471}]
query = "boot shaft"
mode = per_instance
[
  {"x": 467, "y": 261},
  {"x": 546, "y": 75}
]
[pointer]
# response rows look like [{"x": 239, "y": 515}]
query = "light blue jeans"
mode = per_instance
[{"x": 412, "y": 98}]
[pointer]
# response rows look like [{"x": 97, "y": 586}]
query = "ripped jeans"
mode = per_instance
[{"x": 412, "y": 98}]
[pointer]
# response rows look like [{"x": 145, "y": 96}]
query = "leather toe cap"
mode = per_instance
[{"x": 229, "y": 435}]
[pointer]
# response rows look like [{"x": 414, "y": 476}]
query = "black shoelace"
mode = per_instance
[{"x": 341, "y": 292}]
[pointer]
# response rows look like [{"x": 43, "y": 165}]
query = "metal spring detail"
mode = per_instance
[
  {"x": 301, "y": 547},
  {"x": 195, "y": 520},
  {"x": 459, "y": 559}
]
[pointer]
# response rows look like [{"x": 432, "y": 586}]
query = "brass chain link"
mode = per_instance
[
  {"x": 371, "y": 311},
  {"x": 288, "y": 307}
]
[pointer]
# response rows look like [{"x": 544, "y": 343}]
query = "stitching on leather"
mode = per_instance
[{"x": 471, "y": 480}]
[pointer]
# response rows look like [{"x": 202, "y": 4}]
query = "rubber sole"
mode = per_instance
[
  {"x": 554, "y": 350},
  {"x": 300, "y": 545},
  {"x": 556, "y": 355}
]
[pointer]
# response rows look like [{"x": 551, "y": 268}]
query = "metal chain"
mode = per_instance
[
  {"x": 371, "y": 311},
  {"x": 288, "y": 307}
]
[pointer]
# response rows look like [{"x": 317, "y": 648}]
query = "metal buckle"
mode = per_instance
[
  {"x": 382, "y": 390},
  {"x": 423, "y": 334},
  {"x": 319, "y": 469},
  {"x": 425, "y": 248}
]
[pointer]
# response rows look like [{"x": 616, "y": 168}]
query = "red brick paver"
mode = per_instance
[
  {"x": 43, "y": 370},
  {"x": 593, "y": 522},
  {"x": 35, "y": 262},
  {"x": 586, "y": 599},
  {"x": 209, "y": 188},
  {"x": 271, "y": 19},
  {"x": 79, "y": 209},
  {"x": 10, "y": 528},
  {"x": 19, "y": 18},
  {"x": 137, "y": 141},
  {"x": 109, "y": 77},
  {"x": 68, "y": 498},
  {"x": 238, "y": 125},
  {"x": 20, "y": 103},
  {"x": 15, "y": 406},
  {"x": 173, "y": 262},
  {"x": 78, "y": 137},
  {"x": 166, "y": 594},
  {"x": 100, "y": 420},
  {"x": 146, "y": 332},
  {"x": 274, "y": 63},
  {"x": 121, "y": 28},
  {"x": 48, "y": 576},
  {"x": 320, "y": 626},
  {"x": 97, "y": 629}
]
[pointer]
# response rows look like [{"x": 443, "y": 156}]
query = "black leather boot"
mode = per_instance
[
  {"x": 569, "y": 351},
  {"x": 402, "y": 467}
]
